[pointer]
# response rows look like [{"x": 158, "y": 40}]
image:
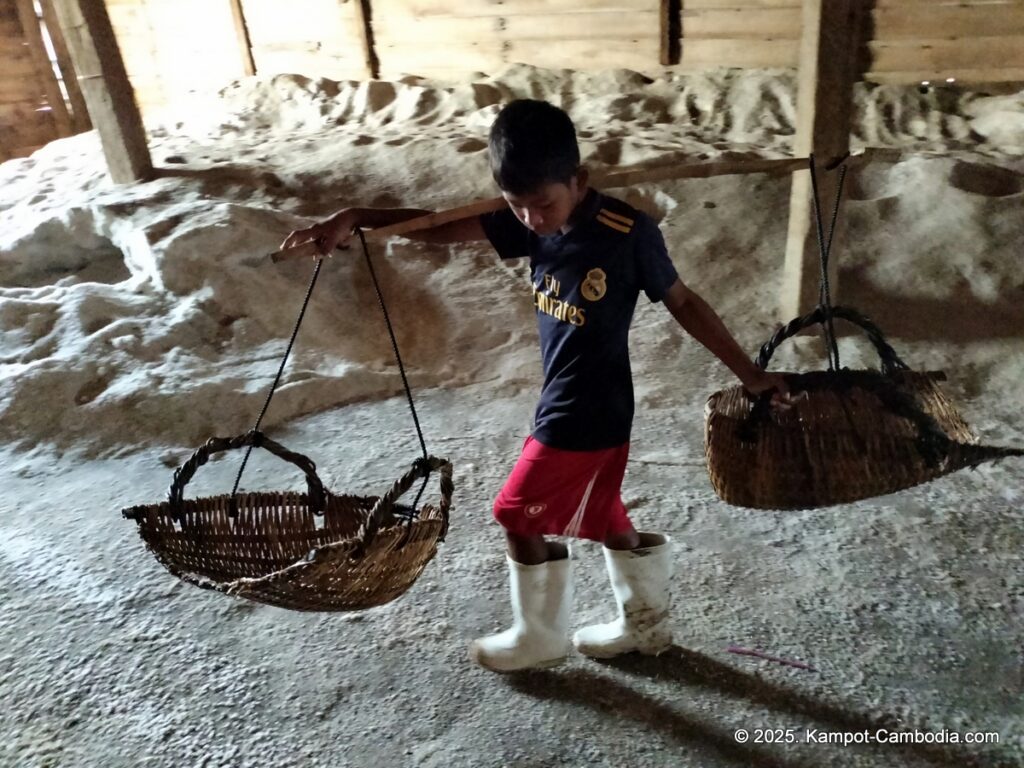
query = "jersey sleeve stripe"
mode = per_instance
[
  {"x": 617, "y": 217},
  {"x": 613, "y": 224}
]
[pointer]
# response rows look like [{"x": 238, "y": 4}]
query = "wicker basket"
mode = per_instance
[
  {"x": 857, "y": 434},
  {"x": 308, "y": 552}
]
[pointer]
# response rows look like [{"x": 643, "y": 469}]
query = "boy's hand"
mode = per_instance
[
  {"x": 328, "y": 235},
  {"x": 762, "y": 381}
]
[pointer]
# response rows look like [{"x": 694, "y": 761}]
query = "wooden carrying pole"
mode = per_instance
[
  {"x": 611, "y": 181},
  {"x": 105, "y": 86}
]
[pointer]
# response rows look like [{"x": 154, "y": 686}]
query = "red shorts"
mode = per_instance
[{"x": 564, "y": 493}]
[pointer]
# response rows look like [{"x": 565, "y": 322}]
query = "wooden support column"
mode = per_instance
[
  {"x": 828, "y": 50},
  {"x": 363, "y": 14},
  {"x": 242, "y": 32},
  {"x": 105, "y": 86}
]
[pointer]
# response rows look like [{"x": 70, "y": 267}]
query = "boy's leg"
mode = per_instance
[
  {"x": 640, "y": 576},
  {"x": 628, "y": 539},
  {"x": 534, "y": 550}
]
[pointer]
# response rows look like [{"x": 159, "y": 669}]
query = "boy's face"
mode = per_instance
[{"x": 547, "y": 209}]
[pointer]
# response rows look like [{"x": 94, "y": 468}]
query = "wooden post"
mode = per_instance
[
  {"x": 105, "y": 86},
  {"x": 363, "y": 11},
  {"x": 242, "y": 32},
  {"x": 33, "y": 32},
  {"x": 827, "y": 72},
  {"x": 79, "y": 112}
]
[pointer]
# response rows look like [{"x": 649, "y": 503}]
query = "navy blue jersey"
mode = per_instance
[{"x": 585, "y": 287}]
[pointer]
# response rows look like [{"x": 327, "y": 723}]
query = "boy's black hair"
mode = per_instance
[{"x": 532, "y": 143}]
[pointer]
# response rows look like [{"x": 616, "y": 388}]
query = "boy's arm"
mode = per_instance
[
  {"x": 338, "y": 230},
  {"x": 699, "y": 320}
]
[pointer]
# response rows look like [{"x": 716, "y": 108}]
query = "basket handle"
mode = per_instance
[
  {"x": 420, "y": 468},
  {"x": 891, "y": 362},
  {"x": 184, "y": 473}
]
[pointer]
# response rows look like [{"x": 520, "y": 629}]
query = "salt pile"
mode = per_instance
[{"x": 150, "y": 313}]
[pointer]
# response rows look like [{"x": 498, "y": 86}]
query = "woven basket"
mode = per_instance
[
  {"x": 858, "y": 434},
  {"x": 307, "y": 552}
]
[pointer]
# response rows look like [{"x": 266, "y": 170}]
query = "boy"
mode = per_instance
[{"x": 590, "y": 256}]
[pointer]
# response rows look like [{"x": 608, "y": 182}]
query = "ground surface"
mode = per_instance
[{"x": 909, "y": 608}]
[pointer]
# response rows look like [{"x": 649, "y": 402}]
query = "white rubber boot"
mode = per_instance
[
  {"x": 539, "y": 635},
  {"x": 640, "y": 580}
]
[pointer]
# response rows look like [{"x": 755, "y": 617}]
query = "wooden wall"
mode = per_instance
[
  {"x": 446, "y": 37},
  {"x": 34, "y": 107},
  {"x": 908, "y": 41},
  {"x": 318, "y": 38},
  {"x": 739, "y": 33},
  {"x": 171, "y": 48},
  {"x": 973, "y": 41}
]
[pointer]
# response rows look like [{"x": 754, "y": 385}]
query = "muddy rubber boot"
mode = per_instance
[
  {"x": 541, "y": 599},
  {"x": 640, "y": 580}
]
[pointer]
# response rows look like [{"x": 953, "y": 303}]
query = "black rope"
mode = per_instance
[
  {"x": 825, "y": 293},
  {"x": 277, "y": 379},
  {"x": 401, "y": 368}
]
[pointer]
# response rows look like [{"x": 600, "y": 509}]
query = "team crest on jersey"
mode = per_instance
[
  {"x": 533, "y": 510},
  {"x": 594, "y": 286}
]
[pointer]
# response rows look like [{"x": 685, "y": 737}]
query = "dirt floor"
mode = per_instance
[{"x": 909, "y": 608}]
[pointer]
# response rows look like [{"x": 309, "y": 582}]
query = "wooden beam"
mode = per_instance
[
  {"x": 33, "y": 32},
  {"x": 827, "y": 72},
  {"x": 106, "y": 88},
  {"x": 242, "y": 33},
  {"x": 79, "y": 112}
]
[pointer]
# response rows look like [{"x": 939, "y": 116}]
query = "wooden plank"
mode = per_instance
[
  {"x": 924, "y": 5},
  {"x": 422, "y": 60},
  {"x": 10, "y": 29},
  {"x": 106, "y": 88},
  {"x": 25, "y": 151},
  {"x": 22, "y": 89},
  {"x": 18, "y": 66},
  {"x": 741, "y": 4},
  {"x": 734, "y": 23},
  {"x": 32, "y": 26},
  {"x": 592, "y": 54},
  {"x": 830, "y": 37},
  {"x": 13, "y": 46},
  {"x": 26, "y": 115},
  {"x": 710, "y": 54},
  {"x": 327, "y": 21},
  {"x": 40, "y": 133},
  {"x": 962, "y": 76},
  {"x": 79, "y": 112},
  {"x": 948, "y": 55},
  {"x": 18, "y": 110},
  {"x": 595, "y": 54},
  {"x": 454, "y": 30},
  {"x": 242, "y": 34},
  {"x": 914, "y": 22},
  {"x": 422, "y": 8},
  {"x": 312, "y": 65}
]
